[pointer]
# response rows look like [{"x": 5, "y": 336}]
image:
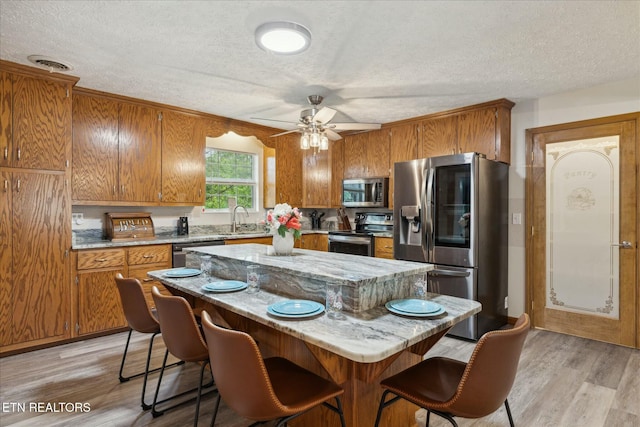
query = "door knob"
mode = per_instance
[{"x": 623, "y": 245}]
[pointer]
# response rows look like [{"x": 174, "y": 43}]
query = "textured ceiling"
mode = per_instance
[{"x": 374, "y": 61}]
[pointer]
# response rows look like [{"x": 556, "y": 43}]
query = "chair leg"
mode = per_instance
[
  {"x": 428, "y": 417},
  {"x": 124, "y": 356},
  {"x": 145, "y": 406},
  {"x": 215, "y": 410},
  {"x": 195, "y": 420},
  {"x": 383, "y": 405},
  {"x": 155, "y": 397},
  {"x": 446, "y": 416},
  {"x": 506, "y": 405}
]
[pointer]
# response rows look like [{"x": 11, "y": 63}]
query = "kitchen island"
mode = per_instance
[{"x": 357, "y": 352}]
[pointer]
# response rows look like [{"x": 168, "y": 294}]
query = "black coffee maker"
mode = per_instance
[
  {"x": 316, "y": 220},
  {"x": 183, "y": 226}
]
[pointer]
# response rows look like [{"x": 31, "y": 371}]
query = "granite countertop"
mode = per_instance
[
  {"x": 95, "y": 240},
  {"x": 366, "y": 281},
  {"x": 365, "y": 337}
]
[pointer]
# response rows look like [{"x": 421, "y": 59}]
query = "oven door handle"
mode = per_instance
[
  {"x": 351, "y": 239},
  {"x": 450, "y": 273}
]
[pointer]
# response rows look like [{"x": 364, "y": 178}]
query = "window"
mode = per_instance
[{"x": 230, "y": 174}]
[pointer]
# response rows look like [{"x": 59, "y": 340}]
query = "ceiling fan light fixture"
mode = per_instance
[
  {"x": 324, "y": 142},
  {"x": 283, "y": 38},
  {"x": 304, "y": 141},
  {"x": 315, "y": 140}
]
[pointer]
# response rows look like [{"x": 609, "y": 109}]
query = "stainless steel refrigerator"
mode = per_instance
[{"x": 452, "y": 211}]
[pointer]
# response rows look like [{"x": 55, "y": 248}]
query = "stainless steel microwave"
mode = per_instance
[{"x": 365, "y": 192}]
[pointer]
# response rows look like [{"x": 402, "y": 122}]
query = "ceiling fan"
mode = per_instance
[{"x": 316, "y": 127}]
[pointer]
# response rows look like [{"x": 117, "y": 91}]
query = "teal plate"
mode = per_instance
[
  {"x": 224, "y": 286},
  {"x": 179, "y": 273}
]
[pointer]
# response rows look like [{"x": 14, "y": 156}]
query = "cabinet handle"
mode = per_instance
[
  {"x": 19, "y": 153},
  {"x": 147, "y": 280},
  {"x": 122, "y": 189},
  {"x": 114, "y": 193},
  {"x": 101, "y": 260},
  {"x": 6, "y": 153},
  {"x": 18, "y": 186},
  {"x": 147, "y": 256},
  {"x": 6, "y": 186}
]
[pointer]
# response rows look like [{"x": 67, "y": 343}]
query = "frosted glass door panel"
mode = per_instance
[{"x": 582, "y": 223}]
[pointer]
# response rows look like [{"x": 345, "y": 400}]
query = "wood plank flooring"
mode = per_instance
[{"x": 562, "y": 381}]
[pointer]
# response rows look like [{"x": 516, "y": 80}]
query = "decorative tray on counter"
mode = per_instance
[{"x": 130, "y": 226}]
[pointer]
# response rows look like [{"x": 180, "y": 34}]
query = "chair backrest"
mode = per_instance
[
  {"x": 180, "y": 331},
  {"x": 240, "y": 372},
  {"x": 135, "y": 307},
  {"x": 490, "y": 372}
]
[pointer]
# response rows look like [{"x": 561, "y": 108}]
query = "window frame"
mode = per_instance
[{"x": 255, "y": 182}]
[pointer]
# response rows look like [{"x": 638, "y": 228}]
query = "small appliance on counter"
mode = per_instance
[
  {"x": 183, "y": 226},
  {"x": 316, "y": 220},
  {"x": 130, "y": 226}
]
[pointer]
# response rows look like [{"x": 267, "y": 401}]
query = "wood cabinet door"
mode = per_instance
[
  {"x": 183, "y": 164},
  {"x": 95, "y": 149},
  {"x": 99, "y": 306},
  {"x": 315, "y": 242},
  {"x": 403, "y": 146},
  {"x": 41, "y": 124},
  {"x": 377, "y": 160},
  {"x": 477, "y": 132},
  {"x": 316, "y": 179},
  {"x": 6, "y": 269},
  {"x": 140, "y": 153},
  {"x": 439, "y": 137},
  {"x": 289, "y": 170},
  {"x": 355, "y": 155},
  {"x": 6, "y": 118},
  {"x": 336, "y": 150},
  {"x": 41, "y": 237}
]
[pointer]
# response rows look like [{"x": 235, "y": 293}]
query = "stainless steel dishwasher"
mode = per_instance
[{"x": 180, "y": 256}]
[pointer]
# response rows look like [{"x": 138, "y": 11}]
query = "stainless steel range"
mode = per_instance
[{"x": 362, "y": 240}]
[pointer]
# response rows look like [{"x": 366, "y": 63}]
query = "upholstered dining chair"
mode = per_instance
[
  {"x": 140, "y": 318},
  {"x": 263, "y": 389},
  {"x": 451, "y": 388},
  {"x": 184, "y": 340}
]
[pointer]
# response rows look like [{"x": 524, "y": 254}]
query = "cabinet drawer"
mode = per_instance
[
  {"x": 141, "y": 255},
  {"x": 102, "y": 258},
  {"x": 384, "y": 247},
  {"x": 147, "y": 282}
]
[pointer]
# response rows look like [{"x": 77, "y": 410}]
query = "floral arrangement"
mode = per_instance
[{"x": 284, "y": 218}]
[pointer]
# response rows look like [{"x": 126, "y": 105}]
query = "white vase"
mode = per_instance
[{"x": 283, "y": 245}]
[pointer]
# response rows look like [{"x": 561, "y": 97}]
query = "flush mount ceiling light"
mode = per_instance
[{"x": 283, "y": 38}]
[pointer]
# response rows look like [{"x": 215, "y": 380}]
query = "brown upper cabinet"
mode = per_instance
[
  {"x": 288, "y": 166},
  {"x": 403, "y": 146},
  {"x": 183, "y": 161},
  {"x": 367, "y": 154},
  {"x": 316, "y": 179},
  {"x": 484, "y": 129},
  {"x": 337, "y": 172},
  {"x": 116, "y": 151},
  {"x": 35, "y": 121}
]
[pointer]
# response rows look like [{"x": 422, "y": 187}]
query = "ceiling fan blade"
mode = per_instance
[
  {"x": 285, "y": 133},
  {"x": 274, "y": 120},
  {"x": 324, "y": 115},
  {"x": 334, "y": 136},
  {"x": 355, "y": 126}
]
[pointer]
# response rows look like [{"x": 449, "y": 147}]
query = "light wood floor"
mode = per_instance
[{"x": 562, "y": 381}]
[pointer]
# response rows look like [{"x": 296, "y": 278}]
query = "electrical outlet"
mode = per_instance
[
  {"x": 77, "y": 218},
  {"x": 516, "y": 218},
  {"x": 506, "y": 302}
]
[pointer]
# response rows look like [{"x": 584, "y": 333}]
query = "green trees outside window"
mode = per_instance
[{"x": 230, "y": 174}]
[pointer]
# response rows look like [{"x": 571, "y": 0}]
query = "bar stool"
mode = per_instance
[
  {"x": 183, "y": 339},
  {"x": 142, "y": 319},
  {"x": 263, "y": 389}
]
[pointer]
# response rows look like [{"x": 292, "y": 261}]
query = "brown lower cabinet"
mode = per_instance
[
  {"x": 316, "y": 242},
  {"x": 384, "y": 247},
  {"x": 98, "y": 307}
]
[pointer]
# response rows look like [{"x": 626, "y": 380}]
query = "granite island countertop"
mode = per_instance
[
  {"x": 366, "y": 282},
  {"x": 365, "y": 337}
]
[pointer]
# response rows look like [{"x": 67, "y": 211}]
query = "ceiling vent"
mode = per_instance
[{"x": 50, "y": 64}]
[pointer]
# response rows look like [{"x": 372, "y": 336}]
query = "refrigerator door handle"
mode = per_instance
[
  {"x": 428, "y": 214},
  {"x": 449, "y": 273}
]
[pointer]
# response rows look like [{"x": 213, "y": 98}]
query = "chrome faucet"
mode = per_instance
[{"x": 233, "y": 221}]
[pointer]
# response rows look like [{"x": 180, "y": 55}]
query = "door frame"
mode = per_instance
[{"x": 534, "y": 158}]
